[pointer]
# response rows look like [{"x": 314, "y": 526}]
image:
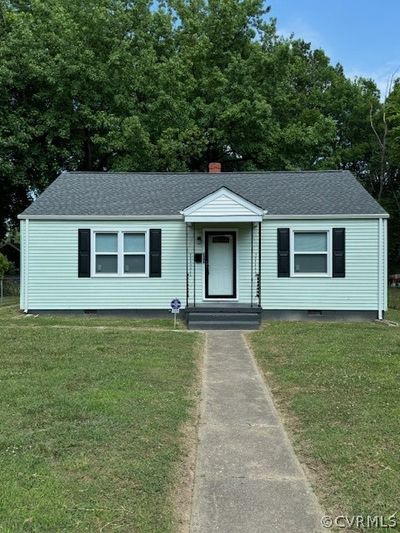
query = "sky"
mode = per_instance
[{"x": 362, "y": 35}]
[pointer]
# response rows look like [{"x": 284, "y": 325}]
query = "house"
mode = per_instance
[{"x": 231, "y": 246}]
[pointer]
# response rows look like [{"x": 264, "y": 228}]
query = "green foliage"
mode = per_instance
[
  {"x": 5, "y": 265},
  {"x": 116, "y": 85},
  {"x": 393, "y": 112},
  {"x": 13, "y": 236}
]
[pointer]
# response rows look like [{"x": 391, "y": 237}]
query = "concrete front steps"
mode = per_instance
[{"x": 223, "y": 317}]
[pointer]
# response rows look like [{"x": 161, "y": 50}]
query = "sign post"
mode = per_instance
[{"x": 175, "y": 306}]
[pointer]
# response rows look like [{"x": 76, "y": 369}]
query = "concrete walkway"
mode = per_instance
[{"x": 248, "y": 478}]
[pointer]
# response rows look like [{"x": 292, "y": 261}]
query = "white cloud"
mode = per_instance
[
  {"x": 303, "y": 30},
  {"x": 381, "y": 76}
]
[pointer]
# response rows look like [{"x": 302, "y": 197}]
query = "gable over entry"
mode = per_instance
[
  {"x": 223, "y": 205},
  {"x": 214, "y": 247}
]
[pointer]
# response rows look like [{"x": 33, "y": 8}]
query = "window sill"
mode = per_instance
[
  {"x": 310, "y": 275},
  {"x": 120, "y": 276}
]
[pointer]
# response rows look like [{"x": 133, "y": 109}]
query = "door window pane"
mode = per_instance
[
  {"x": 222, "y": 239},
  {"x": 310, "y": 242},
  {"x": 107, "y": 264},
  {"x": 313, "y": 263},
  {"x": 106, "y": 242},
  {"x": 134, "y": 242},
  {"x": 134, "y": 264}
]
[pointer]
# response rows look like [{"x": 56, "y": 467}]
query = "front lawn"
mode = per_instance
[
  {"x": 12, "y": 316},
  {"x": 9, "y": 300},
  {"x": 91, "y": 422},
  {"x": 337, "y": 385},
  {"x": 394, "y": 297}
]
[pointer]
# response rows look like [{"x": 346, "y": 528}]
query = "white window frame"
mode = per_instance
[
  {"x": 328, "y": 253},
  {"x": 120, "y": 254}
]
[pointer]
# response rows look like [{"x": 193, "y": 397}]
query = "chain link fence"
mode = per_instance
[{"x": 10, "y": 292}]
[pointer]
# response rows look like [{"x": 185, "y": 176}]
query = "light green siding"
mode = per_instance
[
  {"x": 53, "y": 269},
  {"x": 357, "y": 291},
  {"x": 50, "y": 268}
]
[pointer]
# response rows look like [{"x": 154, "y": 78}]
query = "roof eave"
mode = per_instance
[
  {"x": 331, "y": 216},
  {"x": 99, "y": 217},
  {"x": 180, "y": 217}
]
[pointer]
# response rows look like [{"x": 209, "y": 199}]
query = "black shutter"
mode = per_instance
[
  {"x": 155, "y": 253},
  {"x": 338, "y": 253},
  {"x": 283, "y": 253},
  {"x": 84, "y": 253}
]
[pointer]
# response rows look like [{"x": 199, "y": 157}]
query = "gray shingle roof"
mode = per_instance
[{"x": 132, "y": 194}]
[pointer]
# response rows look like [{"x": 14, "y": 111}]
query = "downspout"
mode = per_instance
[
  {"x": 26, "y": 264},
  {"x": 380, "y": 266}
]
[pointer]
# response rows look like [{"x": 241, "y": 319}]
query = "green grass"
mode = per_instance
[
  {"x": 393, "y": 313},
  {"x": 9, "y": 300},
  {"x": 12, "y": 316},
  {"x": 338, "y": 386},
  {"x": 394, "y": 297},
  {"x": 91, "y": 423}
]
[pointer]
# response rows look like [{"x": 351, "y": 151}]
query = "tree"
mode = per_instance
[
  {"x": 5, "y": 265},
  {"x": 118, "y": 85},
  {"x": 75, "y": 82},
  {"x": 391, "y": 197},
  {"x": 393, "y": 118}
]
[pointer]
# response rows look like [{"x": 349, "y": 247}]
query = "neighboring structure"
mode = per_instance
[
  {"x": 394, "y": 280},
  {"x": 11, "y": 251},
  {"x": 289, "y": 244}
]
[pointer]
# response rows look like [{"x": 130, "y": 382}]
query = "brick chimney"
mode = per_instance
[{"x": 214, "y": 167}]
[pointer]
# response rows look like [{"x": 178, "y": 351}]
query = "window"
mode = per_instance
[
  {"x": 134, "y": 253},
  {"x": 310, "y": 253},
  {"x": 222, "y": 239},
  {"x": 106, "y": 253},
  {"x": 120, "y": 253}
]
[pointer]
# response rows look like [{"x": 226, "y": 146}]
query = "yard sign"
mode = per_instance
[{"x": 175, "y": 306}]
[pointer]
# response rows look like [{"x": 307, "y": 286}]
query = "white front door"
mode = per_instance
[{"x": 220, "y": 265}]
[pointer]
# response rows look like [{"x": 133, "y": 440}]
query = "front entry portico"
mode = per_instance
[{"x": 223, "y": 253}]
